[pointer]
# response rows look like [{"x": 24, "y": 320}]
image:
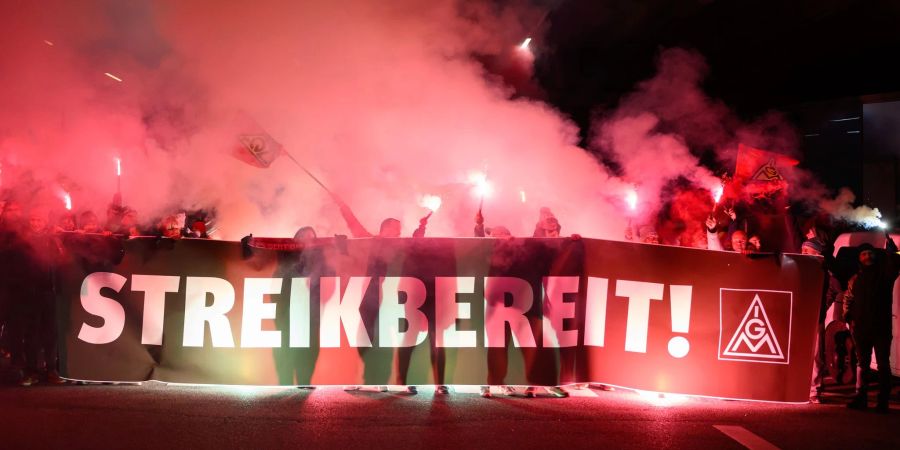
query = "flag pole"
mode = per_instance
[{"x": 291, "y": 157}]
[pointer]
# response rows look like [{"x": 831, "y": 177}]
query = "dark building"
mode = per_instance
[{"x": 854, "y": 142}]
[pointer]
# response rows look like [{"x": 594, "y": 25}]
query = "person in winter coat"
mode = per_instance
[
  {"x": 867, "y": 308},
  {"x": 34, "y": 311},
  {"x": 830, "y": 293}
]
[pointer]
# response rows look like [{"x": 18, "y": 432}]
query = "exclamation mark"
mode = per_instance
[{"x": 680, "y": 300}]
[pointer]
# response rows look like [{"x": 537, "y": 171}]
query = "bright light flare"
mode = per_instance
[
  {"x": 631, "y": 197},
  {"x": 717, "y": 193},
  {"x": 112, "y": 76},
  {"x": 252, "y": 391},
  {"x": 525, "y": 44},
  {"x": 882, "y": 224},
  {"x": 522, "y": 196},
  {"x": 432, "y": 202},
  {"x": 481, "y": 186},
  {"x": 661, "y": 399},
  {"x": 118, "y": 167},
  {"x": 48, "y": 42},
  {"x": 68, "y": 200}
]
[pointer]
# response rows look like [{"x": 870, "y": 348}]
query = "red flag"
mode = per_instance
[
  {"x": 256, "y": 147},
  {"x": 761, "y": 172}
]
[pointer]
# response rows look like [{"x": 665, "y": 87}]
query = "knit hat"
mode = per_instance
[{"x": 815, "y": 245}]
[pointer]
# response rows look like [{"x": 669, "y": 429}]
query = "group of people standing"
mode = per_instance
[
  {"x": 546, "y": 226},
  {"x": 30, "y": 247},
  {"x": 865, "y": 306},
  {"x": 31, "y": 250}
]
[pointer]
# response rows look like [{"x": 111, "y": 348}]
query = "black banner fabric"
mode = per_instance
[{"x": 440, "y": 311}]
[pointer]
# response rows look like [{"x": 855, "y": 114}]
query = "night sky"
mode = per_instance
[{"x": 762, "y": 54}]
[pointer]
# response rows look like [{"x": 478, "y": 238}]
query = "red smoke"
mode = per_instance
[{"x": 384, "y": 102}]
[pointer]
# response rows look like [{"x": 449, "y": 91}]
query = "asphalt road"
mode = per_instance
[{"x": 159, "y": 416}]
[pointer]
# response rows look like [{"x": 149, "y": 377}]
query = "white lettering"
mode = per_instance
[
  {"x": 595, "y": 311},
  {"x": 197, "y": 314},
  {"x": 338, "y": 310},
  {"x": 497, "y": 314},
  {"x": 155, "y": 288},
  {"x": 448, "y": 311},
  {"x": 299, "y": 313},
  {"x": 255, "y": 310},
  {"x": 392, "y": 312},
  {"x": 110, "y": 310},
  {"x": 556, "y": 310},
  {"x": 639, "y": 296}
]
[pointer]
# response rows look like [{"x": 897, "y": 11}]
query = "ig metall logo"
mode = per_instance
[{"x": 755, "y": 325}]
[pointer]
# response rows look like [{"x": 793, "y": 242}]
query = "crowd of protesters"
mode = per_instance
[
  {"x": 31, "y": 247},
  {"x": 858, "y": 283},
  {"x": 860, "y": 291}
]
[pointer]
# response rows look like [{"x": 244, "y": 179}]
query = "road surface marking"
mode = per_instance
[{"x": 745, "y": 437}]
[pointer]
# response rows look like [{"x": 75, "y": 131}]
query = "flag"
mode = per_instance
[
  {"x": 760, "y": 172},
  {"x": 255, "y": 146}
]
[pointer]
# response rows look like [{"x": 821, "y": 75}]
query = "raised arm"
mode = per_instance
[
  {"x": 357, "y": 229},
  {"x": 423, "y": 222},
  {"x": 712, "y": 239},
  {"x": 479, "y": 224}
]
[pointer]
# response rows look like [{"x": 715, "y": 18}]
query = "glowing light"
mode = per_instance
[
  {"x": 432, "y": 202},
  {"x": 118, "y": 167},
  {"x": 112, "y": 76},
  {"x": 717, "y": 193},
  {"x": 48, "y": 42},
  {"x": 522, "y": 196},
  {"x": 525, "y": 43},
  {"x": 481, "y": 186},
  {"x": 631, "y": 197},
  {"x": 237, "y": 390},
  {"x": 232, "y": 387},
  {"x": 660, "y": 399},
  {"x": 68, "y": 200},
  {"x": 882, "y": 224}
]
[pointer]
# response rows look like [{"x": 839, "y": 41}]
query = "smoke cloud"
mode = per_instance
[
  {"x": 841, "y": 207},
  {"x": 657, "y": 135},
  {"x": 382, "y": 101},
  {"x": 386, "y": 102}
]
